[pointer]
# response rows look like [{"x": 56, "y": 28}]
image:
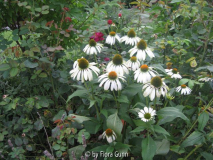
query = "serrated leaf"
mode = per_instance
[
  {"x": 14, "y": 72},
  {"x": 4, "y": 67},
  {"x": 30, "y": 64}
]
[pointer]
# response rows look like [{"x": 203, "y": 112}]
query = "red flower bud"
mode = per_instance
[
  {"x": 109, "y": 21},
  {"x": 68, "y": 19},
  {"x": 119, "y": 15},
  {"x": 66, "y": 9}
]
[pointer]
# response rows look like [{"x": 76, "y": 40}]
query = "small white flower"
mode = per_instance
[
  {"x": 112, "y": 37},
  {"x": 206, "y": 79},
  {"x": 111, "y": 81},
  {"x": 144, "y": 74},
  {"x": 133, "y": 63},
  {"x": 93, "y": 47},
  {"x": 173, "y": 73},
  {"x": 141, "y": 49},
  {"x": 130, "y": 38},
  {"x": 118, "y": 65},
  {"x": 109, "y": 134},
  {"x": 184, "y": 89},
  {"x": 82, "y": 70},
  {"x": 155, "y": 88},
  {"x": 146, "y": 114}
]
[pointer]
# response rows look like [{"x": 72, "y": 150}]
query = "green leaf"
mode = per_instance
[
  {"x": 169, "y": 114},
  {"x": 24, "y": 31},
  {"x": 183, "y": 81},
  {"x": 78, "y": 150},
  {"x": 38, "y": 125},
  {"x": 202, "y": 31},
  {"x": 159, "y": 67},
  {"x": 159, "y": 129},
  {"x": 1, "y": 137},
  {"x": 177, "y": 149},
  {"x": 114, "y": 123},
  {"x": 207, "y": 156},
  {"x": 202, "y": 120},
  {"x": 44, "y": 12},
  {"x": 78, "y": 119},
  {"x": 56, "y": 147},
  {"x": 29, "y": 147},
  {"x": 59, "y": 154},
  {"x": 148, "y": 148},
  {"x": 131, "y": 90},
  {"x": 162, "y": 147},
  {"x": 123, "y": 99},
  {"x": 210, "y": 68},
  {"x": 4, "y": 67},
  {"x": 138, "y": 129},
  {"x": 30, "y": 64},
  {"x": 18, "y": 141},
  {"x": 79, "y": 93},
  {"x": 15, "y": 38},
  {"x": 92, "y": 102},
  {"x": 100, "y": 148},
  {"x": 45, "y": 7},
  {"x": 42, "y": 75},
  {"x": 86, "y": 134},
  {"x": 14, "y": 72},
  {"x": 176, "y": 1},
  {"x": 59, "y": 115},
  {"x": 195, "y": 138},
  {"x": 38, "y": 9}
]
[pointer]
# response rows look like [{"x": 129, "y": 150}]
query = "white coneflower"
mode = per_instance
[
  {"x": 173, "y": 73},
  {"x": 144, "y": 74},
  {"x": 155, "y": 88},
  {"x": 111, "y": 81},
  {"x": 133, "y": 63},
  {"x": 141, "y": 49},
  {"x": 146, "y": 114},
  {"x": 82, "y": 70},
  {"x": 184, "y": 89},
  {"x": 205, "y": 79},
  {"x": 117, "y": 64},
  {"x": 130, "y": 38},
  {"x": 112, "y": 37},
  {"x": 93, "y": 47},
  {"x": 109, "y": 134}
]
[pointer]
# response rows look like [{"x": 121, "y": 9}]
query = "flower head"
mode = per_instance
[
  {"x": 98, "y": 36},
  {"x": 109, "y": 134},
  {"x": 93, "y": 47},
  {"x": 106, "y": 59},
  {"x": 117, "y": 64},
  {"x": 130, "y": 38},
  {"x": 205, "y": 79},
  {"x": 109, "y": 21},
  {"x": 119, "y": 15},
  {"x": 82, "y": 70},
  {"x": 146, "y": 114},
  {"x": 111, "y": 80},
  {"x": 173, "y": 73},
  {"x": 184, "y": 89},
  {"x": 133, "y": 63},
  {"x": 142, "y": 50},
  {"x": 68, "y": 19},
  {"x": 144, "y": 74},
  {"x": 155, "y": 88},
  {"x": 112, "y": 37}
]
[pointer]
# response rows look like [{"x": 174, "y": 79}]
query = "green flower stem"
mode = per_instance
[
  {"x": 118, "y": 106},
  {"x": 155, "y": 102},
  {"x": 210, "y": 103},
  {"x": 198, "y": 146},
  {"x": 95, "y": 58},
  {"x": 93, "y": 98},
  {"x": 166, "y": 103}
]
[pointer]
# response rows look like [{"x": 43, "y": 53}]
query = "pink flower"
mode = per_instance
[
  {"x": 98, "y": 36},
  {"x": 109, "y": 21},
  {"x": 106, "y": 59},
  {"x": 68, "y": 19},
  {"x": 119, "y": 15}
]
